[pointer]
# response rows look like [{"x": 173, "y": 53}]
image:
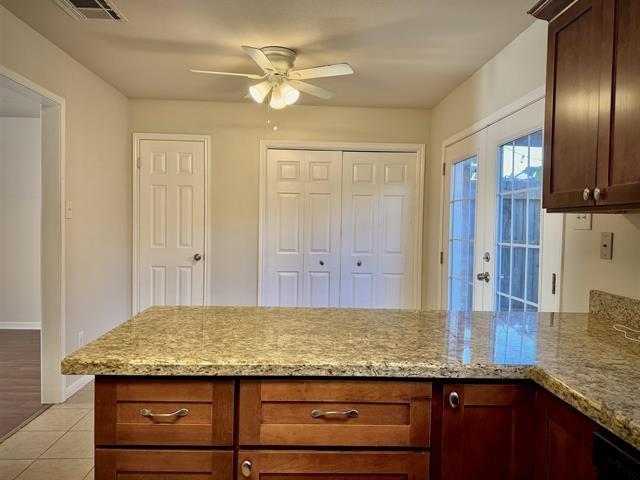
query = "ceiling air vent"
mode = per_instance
[{"x": 91, "y": 9}]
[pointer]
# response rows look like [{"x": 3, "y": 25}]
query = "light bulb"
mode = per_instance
[
  {"x": 290, "y": 94},
  {"x": 260, "y": 91},
  {"x": 277, "y": 99}
]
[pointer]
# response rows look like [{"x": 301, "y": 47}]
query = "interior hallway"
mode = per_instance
[{"x": 19, "y": 378}]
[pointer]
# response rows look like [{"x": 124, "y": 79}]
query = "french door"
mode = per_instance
[{"x": 495, "y": 230}]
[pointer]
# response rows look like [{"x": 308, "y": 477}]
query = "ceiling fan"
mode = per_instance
[{"x": 280, "y": 80}]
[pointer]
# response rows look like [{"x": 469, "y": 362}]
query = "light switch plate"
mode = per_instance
[
  {"x": 606, "y": 245},
  {"x": 582, "y": 221}
]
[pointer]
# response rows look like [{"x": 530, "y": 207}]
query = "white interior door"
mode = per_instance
[
  {"x": 378, "y": 204},
  {"x": 302, "y": 230},
  {"x": 171, "y": 221}
]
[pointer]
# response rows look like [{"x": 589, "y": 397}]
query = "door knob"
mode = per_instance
[
  {"x": 483, "y": 276},
  {"x": 246, "y": 468},
  {"x": 197, "y": 257}
]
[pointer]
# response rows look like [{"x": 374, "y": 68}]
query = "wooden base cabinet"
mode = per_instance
[
  {"x": 488, "y": 432},
  {"x": 564, "y": 441},
  {"x": 306, "y": 465},
  {"x": 122, "y": 464}
]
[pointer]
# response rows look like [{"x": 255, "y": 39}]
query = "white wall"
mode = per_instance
[
  {"x": 20, "y": 207},
  {"x": 236, "y": 130},
  {"x": 97, "y": 179},
  {"x": 517, "y": 70}
]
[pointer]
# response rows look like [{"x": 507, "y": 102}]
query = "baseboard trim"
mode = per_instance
[
  {"x": 20, "y": 326},
  {"x": 77, "y": 385}
]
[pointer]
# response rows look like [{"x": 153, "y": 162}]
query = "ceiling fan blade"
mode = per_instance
[
  {"x": 247, "y": 75},
  {"x": 311, "y": 89},
  {"x": 260, "y": 58},
  {"x": 334, "y": 70}
]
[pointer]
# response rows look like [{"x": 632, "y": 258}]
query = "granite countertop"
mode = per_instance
[{"x": 578, "y": 357}]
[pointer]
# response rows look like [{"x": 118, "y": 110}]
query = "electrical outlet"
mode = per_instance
[
  {"x": 80, "y": 338},
  {"x": 606, "y": 245},
  {"x": 582, "y": 221}
]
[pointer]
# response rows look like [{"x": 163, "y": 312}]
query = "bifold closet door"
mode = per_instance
[
  {"x": 302, "y": 230},
  {"x": 378, "y": 196}
]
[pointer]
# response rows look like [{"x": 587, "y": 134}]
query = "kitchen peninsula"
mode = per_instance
[{"x": 234, "y": 392}]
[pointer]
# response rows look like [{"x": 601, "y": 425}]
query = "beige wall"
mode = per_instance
[
  {"x": 20, "y": 207},
  {"x": 514, "y": 72},
  {"x": 97, "y": 179},
  {"x": 236, "y": 130}
]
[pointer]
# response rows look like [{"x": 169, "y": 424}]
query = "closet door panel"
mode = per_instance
[
  {"x": 322, "y": 170},
  {"x": 283, "y": 253}
]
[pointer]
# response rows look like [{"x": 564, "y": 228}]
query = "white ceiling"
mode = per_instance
[{"x": 406, "y": 53}]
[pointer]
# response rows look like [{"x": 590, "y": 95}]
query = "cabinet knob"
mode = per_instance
[
  {"x": 586, "y": 194},
  {"x": 454, "y": 399},
  {"x": 597, "y": 194},
  {"x": 359, "y": 263},
  {"x": 197, "y": 257},
  {"x": 246, "y": 468},
  {"x": 321, "y": 263}
]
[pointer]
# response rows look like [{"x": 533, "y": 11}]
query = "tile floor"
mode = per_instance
[{"x": 57, "y": 445}]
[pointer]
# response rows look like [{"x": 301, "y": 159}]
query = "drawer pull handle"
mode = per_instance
[
  {"x": 323, "y": 413},
  {"x": 183, "y": 412}
]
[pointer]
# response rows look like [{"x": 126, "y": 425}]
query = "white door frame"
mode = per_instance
[
  {"x": 417, "y": 148},
  {"x": 52, "y": 331},
  {"x": 137, "y": 137},
  {"x": 504, "y": 112}
]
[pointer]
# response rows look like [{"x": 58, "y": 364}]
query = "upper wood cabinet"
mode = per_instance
[{"x": 592, "y": 149}]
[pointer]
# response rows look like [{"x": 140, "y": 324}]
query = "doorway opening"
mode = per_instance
[{"x": 32, "y": 249}]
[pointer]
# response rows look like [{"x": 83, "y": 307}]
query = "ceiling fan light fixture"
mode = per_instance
[
  {"x": 278, "y": 101},
  {"x": 260, "y": 91},
  {"x": 290, "y": 94}
]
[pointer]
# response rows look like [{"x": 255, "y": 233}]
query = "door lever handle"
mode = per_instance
[{"x": 484, "y": 276}]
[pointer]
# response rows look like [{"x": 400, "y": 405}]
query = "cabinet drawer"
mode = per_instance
[
  {"x": 120, "y": 464},
  {"x": 206, "y": 407},
  {"x": 283, "y": 412},
  {"x": 305, "y": 465}
]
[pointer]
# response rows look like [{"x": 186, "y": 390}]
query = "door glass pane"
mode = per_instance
[
  {"x": 518, "y": 224},
  {"x": 462, "y": 223}
]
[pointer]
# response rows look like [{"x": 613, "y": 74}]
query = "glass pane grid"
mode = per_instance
[
  {"x": 518, "y": 227},
  {"x": 461, "y": 234}
]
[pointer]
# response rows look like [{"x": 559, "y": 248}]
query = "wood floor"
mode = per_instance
[{"x": 19, "y": 378}]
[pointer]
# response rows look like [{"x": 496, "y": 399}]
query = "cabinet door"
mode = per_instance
[
  {"x": 572, "y": 106},
  {"x": 619, "y": 143},
  {"x": 306, "y": 465},
  {"x": 488, "y": 432},
  {"x": 563, "y": 441}
]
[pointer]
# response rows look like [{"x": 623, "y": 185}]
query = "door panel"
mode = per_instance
[
  {"x": 488, "y": 432},
  {"x": 464, "y": 164},
  {"x": 619, "y": 145},
  {"x": 171, "y": 223},
  {"x": 378, "y": 197},
  {"x": 302, "y": 259},
  {"x": 572, "y": 106}
]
